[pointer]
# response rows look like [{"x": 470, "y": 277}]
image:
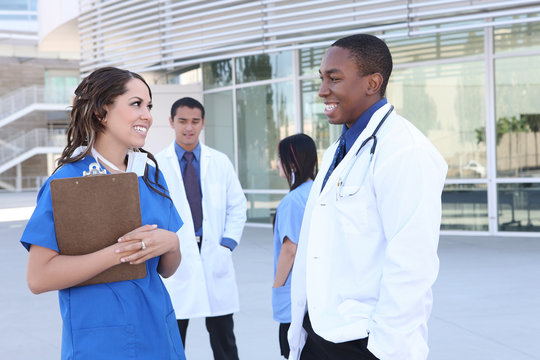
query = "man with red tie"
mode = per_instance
[{"x": 207, "y": 193}]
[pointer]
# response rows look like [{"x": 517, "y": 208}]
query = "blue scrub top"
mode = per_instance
[
  {"x": 121, "y": 320},
  {"x": 289, "y": 215}
]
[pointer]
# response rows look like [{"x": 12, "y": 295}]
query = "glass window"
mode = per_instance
[
  {"x": 60, "y": 86},
  {"x": 191, "y": 75},
  {"x": 219, "y": 129},
  {"x": 517, "y": 37},
  {"x": 265, "y": 115},
  {"x": 446, "y": 102},
  {"x": 18, "y": 5},
  {"x": 263, "y": 67},
  {"x": 217, "y": 74},
  {"x": 464, "y": 207},
  {"x": 436, "y": 46},
  {"x": 517, "y": 90},
  {"x": 310, "y": 60},
  {"x": 261, "y": 208},
  {"x": 315, "y": 122},
  {"x": 519, "y": 207}
]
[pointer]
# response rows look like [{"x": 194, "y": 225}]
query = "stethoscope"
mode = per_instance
[{"x": 373, "y": 137}]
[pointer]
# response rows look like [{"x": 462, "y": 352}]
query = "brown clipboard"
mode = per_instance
[{"x": 91, "y": 213}]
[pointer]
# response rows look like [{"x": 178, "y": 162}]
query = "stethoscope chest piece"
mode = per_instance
[{"x": 342, "y": 180}]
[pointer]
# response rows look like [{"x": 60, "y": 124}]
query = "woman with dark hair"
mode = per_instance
[
  {"x": 298, "y": 164},
  {"x": 131, "y": 319}
]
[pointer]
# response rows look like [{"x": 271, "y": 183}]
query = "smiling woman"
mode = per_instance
[{"x": 110, "y": 119}]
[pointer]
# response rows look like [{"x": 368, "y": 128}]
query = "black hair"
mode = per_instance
[
  {"x": 298, "y": 154},
  {"x": 187, "y": 102},
  {"x": 370, "y": 54}
]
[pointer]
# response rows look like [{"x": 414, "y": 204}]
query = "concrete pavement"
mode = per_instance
[{"x": 487, "y": 298}]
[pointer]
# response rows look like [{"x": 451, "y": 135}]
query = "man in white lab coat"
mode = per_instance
[
  {"x": 206, "y": 192},
  {"x": 367, "y": 254}
]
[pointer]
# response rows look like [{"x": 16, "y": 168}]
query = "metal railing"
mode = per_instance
[
  {"x": 12, "y": 183},
  {"x": 28, "y": 141},
  {"x": 23, "y": 97}
]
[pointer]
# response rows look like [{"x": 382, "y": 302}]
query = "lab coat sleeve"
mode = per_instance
[
  {"x": 175, "y": 221},
  {"x": 408, "y": 188},
  {"x": 235, "y": 213}
]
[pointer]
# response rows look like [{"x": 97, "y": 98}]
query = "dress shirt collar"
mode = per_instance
[
  {"x": 180, "y": 151},
  {"x": 352, "y": 133}
]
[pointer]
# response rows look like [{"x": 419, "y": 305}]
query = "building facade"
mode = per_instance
[
  {"x": 466, "y": 73},
  {"x": 35, "y": 92}
]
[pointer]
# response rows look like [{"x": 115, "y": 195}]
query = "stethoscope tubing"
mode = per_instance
[{"x": 371, "y": 152}]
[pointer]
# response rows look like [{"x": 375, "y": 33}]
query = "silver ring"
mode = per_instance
[{"x": 143, "y": 245}]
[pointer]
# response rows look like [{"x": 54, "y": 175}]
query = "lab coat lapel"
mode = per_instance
[
  {"x": 173, "y": 162},
  {"x": 205, "y": 160},
  {"x": 344, "y": 164}
]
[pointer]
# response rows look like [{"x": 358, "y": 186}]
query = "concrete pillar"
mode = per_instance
[{"x": 18, "y": 179}]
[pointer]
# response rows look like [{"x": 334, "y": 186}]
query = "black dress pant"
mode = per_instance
[
  {"x": 222, "y": 340},
  {"x": 283, "y": 341},
  {"x": 317, "y": 348}
]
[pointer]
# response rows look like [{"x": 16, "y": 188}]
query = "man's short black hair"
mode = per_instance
[
  {"x": 188, "y": 102},
  {"x": 370, "y": 54}
]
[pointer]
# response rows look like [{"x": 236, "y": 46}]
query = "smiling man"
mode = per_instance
[
  {"x": 367, "y": 254},
  {"x": 206, "y": 192}
]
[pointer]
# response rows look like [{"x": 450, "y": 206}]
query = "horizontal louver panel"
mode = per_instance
[{"x": 146, "y": 35}]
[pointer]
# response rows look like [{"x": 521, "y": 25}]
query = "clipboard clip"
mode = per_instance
[{"x": 94, "y": 169}]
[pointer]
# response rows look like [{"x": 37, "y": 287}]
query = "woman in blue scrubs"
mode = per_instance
[
  {"x": 298, "y": 164},
  {"x": 131, "y": 319}
]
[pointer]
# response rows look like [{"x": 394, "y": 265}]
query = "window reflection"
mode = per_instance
[
  {"x": 261, "y": 208},
  {"x": 265, "y": 116},
  {"x": 464, "y": 207},
  {"x": 219, "y": 128},
  {"x": 517, "y": 37},
  {"x": 519, "y": 207},
  {"x": 263, "y": 67},
  {"x": 310, "y": 60},
  {"x": 217, "y": 74},
  {"x": 436, "y": 46},
  {"x": 185, "y": 76},
  {"x": 446, "y": 102},
  {"x": 517, "y": 90},
  {"x": 315, "y": 123}
]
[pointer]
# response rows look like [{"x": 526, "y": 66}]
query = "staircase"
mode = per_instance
[
  {"x": 37, "y": 141},
  {"x": 22, "y": 145},
  {"x": 23, "y": 101}
]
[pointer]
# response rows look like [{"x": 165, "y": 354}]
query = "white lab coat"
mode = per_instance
[
  {"x": 205, "y": 283},
  {"x": 366, "y": 260}
]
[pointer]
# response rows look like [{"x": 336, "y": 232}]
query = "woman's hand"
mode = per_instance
[{"x": 145, "y": 243}]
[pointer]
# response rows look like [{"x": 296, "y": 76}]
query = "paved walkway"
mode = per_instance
[{"x": 487, "y": 299}]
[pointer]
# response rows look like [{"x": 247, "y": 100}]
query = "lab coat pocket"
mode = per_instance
[
  {"x": 348, "y": 191},
  {"x": 222, "y": 257},
  {"x": 352, "y": 208},
  {"x": 174, "y": 336},
  {"x": 111, "y": 340}
]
